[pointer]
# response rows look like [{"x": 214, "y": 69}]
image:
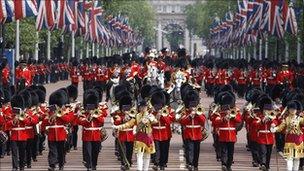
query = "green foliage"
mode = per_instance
[
  {"x": 140, "y": 13},
  {"x": 27, "y": 35},
  {"x": 201, "y": 15}
]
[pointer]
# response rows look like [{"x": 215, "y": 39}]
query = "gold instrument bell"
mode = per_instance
[
  {"x": 199, "y": 110},
  {"x": 165, "y": 111},
  {"x": 271, "y": 114},
  {"x": 132, "y": 112},
  {"x": 21, "y": 116},
  {"x": 233, "y": 113},
  {"x": 94, "y": 114}
]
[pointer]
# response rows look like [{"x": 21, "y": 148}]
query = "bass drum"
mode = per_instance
[{"x": 3, "y": 137}]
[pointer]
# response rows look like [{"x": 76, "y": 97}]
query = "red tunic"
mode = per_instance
[{"x": 192, "y": 126}]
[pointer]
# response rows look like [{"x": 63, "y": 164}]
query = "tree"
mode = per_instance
[{"x": 140, "y": 13}]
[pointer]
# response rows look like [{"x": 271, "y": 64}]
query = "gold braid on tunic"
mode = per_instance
[
  {"x": 292, "y": 125},
  {"x": 143, "y": 128}
]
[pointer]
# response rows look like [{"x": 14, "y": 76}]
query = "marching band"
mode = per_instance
[{"x": 148, "y": 99}]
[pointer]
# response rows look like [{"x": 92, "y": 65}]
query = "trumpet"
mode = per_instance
[
  {"x": 132, "y": 112},
  {"x": 271, "y": 115},
  {"x": 94, "y": 114},
  {"x": 232, "y": 113},
  {"x": 199, "y": 110},
  {"x": 249, "y": 106},
  {"x": 165, "y": 111},
  {"x": 21, "y": 116},
  {"x": 215, "y": 109}
]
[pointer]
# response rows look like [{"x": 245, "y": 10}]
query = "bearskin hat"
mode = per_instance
[
  {"x": 57, "y": 98},
  {"x": 226, "y": 99},
  {"x": 41, "y": 95},
  {"x": 191, "y": 99},
  {"x": 145, "y": 91},
  {"x": 158, "y": 100},
  {"x": 34, "y": 98},
  {"x": 295, "y": 104},
  {"x": 125, "y": 103},
  {"x": 7, "y": 96},
  {"x": 17, "y": 101},
  {"x": 91, "y": 99},
  {"x": 99, "y": 90},
  {"x": 265, "y": 103},
  {"x": 277, "y": 92},
  {"x": 72, "y": 92},
  {"x": 252, "y": 94},
  {"x": 26, "y": 97}
]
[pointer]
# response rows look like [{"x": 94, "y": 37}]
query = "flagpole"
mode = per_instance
[
  {"x": 48, "y": 52},
  {"x": 260, "y": 49},
  {"x": 81, "y": 50},
  {"x": 298, "y": 49},
  {"x": 286, "y": 51},
  {"x": 73, "y": 44},
  {"x": 97, "y": 50},
  {"x": 37, "y": 46},
  {"x": 266, "y": 47},
  {"x": 87, "y": 50},
  {"x": 17, "y": 40},
  {"x": 255, "y": 51},
  {"x": 93, "y": 49}
]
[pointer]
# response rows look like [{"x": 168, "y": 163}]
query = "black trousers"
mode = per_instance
[
  {"x": 162, "y": 152},
  {"x": 227, "y": 151},
  {"x": 193, "y": 151},
  {"x": 18, "y": 153},
  {"x": 75, "y": 136},
  {"x": 280, "y": 141},
  {"x": 265, "y": 154},
  {"x": 56, "y": 153},
  {"x": 254, "y": 148},
  {"x": 216, "y": 145},
  {"x": 41, "y": 140},
  {"x": 128, "y": 150},
  {"x": 91, "y": 150},
  {"x": 31, "y": 150}
]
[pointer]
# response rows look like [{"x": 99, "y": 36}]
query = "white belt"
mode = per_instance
[
  {"x": 227, "y": 129},
  {"x": 193, "y": 126},
  {"x": 128, "y": 129},
  {"x": 28, "y": 127},
  {"x": 92, "y": 129},
  {"x": 264, "y": 131},
  {"x": 55, "y": 126},
  {"x": 17, "y": 129},
  {"x": 159, "y": 127}
]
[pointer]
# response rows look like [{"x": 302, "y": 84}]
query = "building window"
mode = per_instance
[
  {"x": 173, "y": 10},
  {"x": 159, "y": 8},
  {"x": 164, "y": 8}
]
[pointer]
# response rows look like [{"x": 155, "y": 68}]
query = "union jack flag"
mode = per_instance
[
  {"x": 272, "y": 20},
  {"x": 96, "y": 11},
  {"x": 46, "y": 15},
  {"x": 3, "y": 13},
  {"x": 289, "y": 19},
  {"x": 65, "y": 13},
  {"x": 25, "y": 8}
]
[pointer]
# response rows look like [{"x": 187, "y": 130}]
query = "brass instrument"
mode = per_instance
[
  {"x": 233, "y": 113},
  {"x": 271, "y": 115},
  {"x": 179, "y": 112},
  {"x": 199, "y": 110},
  {"x": 215, "y": 109},
  {"x": 249, "y": 106},
  {"x": 94, "y": 114},
  {"x": 283, "y": 112},
  {"x": 21, "y": 116},
  {"x": 132, "y": 112},
  {"x": 165, "y": 111},
  {"x": 59, "y": 113}
]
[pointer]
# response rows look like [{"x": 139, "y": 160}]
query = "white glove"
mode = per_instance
[{"x": 273, "y": 129}]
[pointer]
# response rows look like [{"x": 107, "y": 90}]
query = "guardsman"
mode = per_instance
[
  {"x": 92, "y": 120},
  {"x": 208, "y": 78},
  {"x": 161, "y": 131},
  {"x": 285, "y": 76},
  {"x": 265, "y": 138},
  {"x": 74, "y": 75},
  {"x": 55, "y": 126},
  {"x": 30, "y": 99},
  {"x": 5, "y": 75},
  {"x": 227, "y": 120},
  {"x": 254, "y": 77},
  {"x": 125, "y": 137},
  {"x": 18, "y": 136},
  {"x": 193, "y": 122},
  {"x": 250, "y": 114}
]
